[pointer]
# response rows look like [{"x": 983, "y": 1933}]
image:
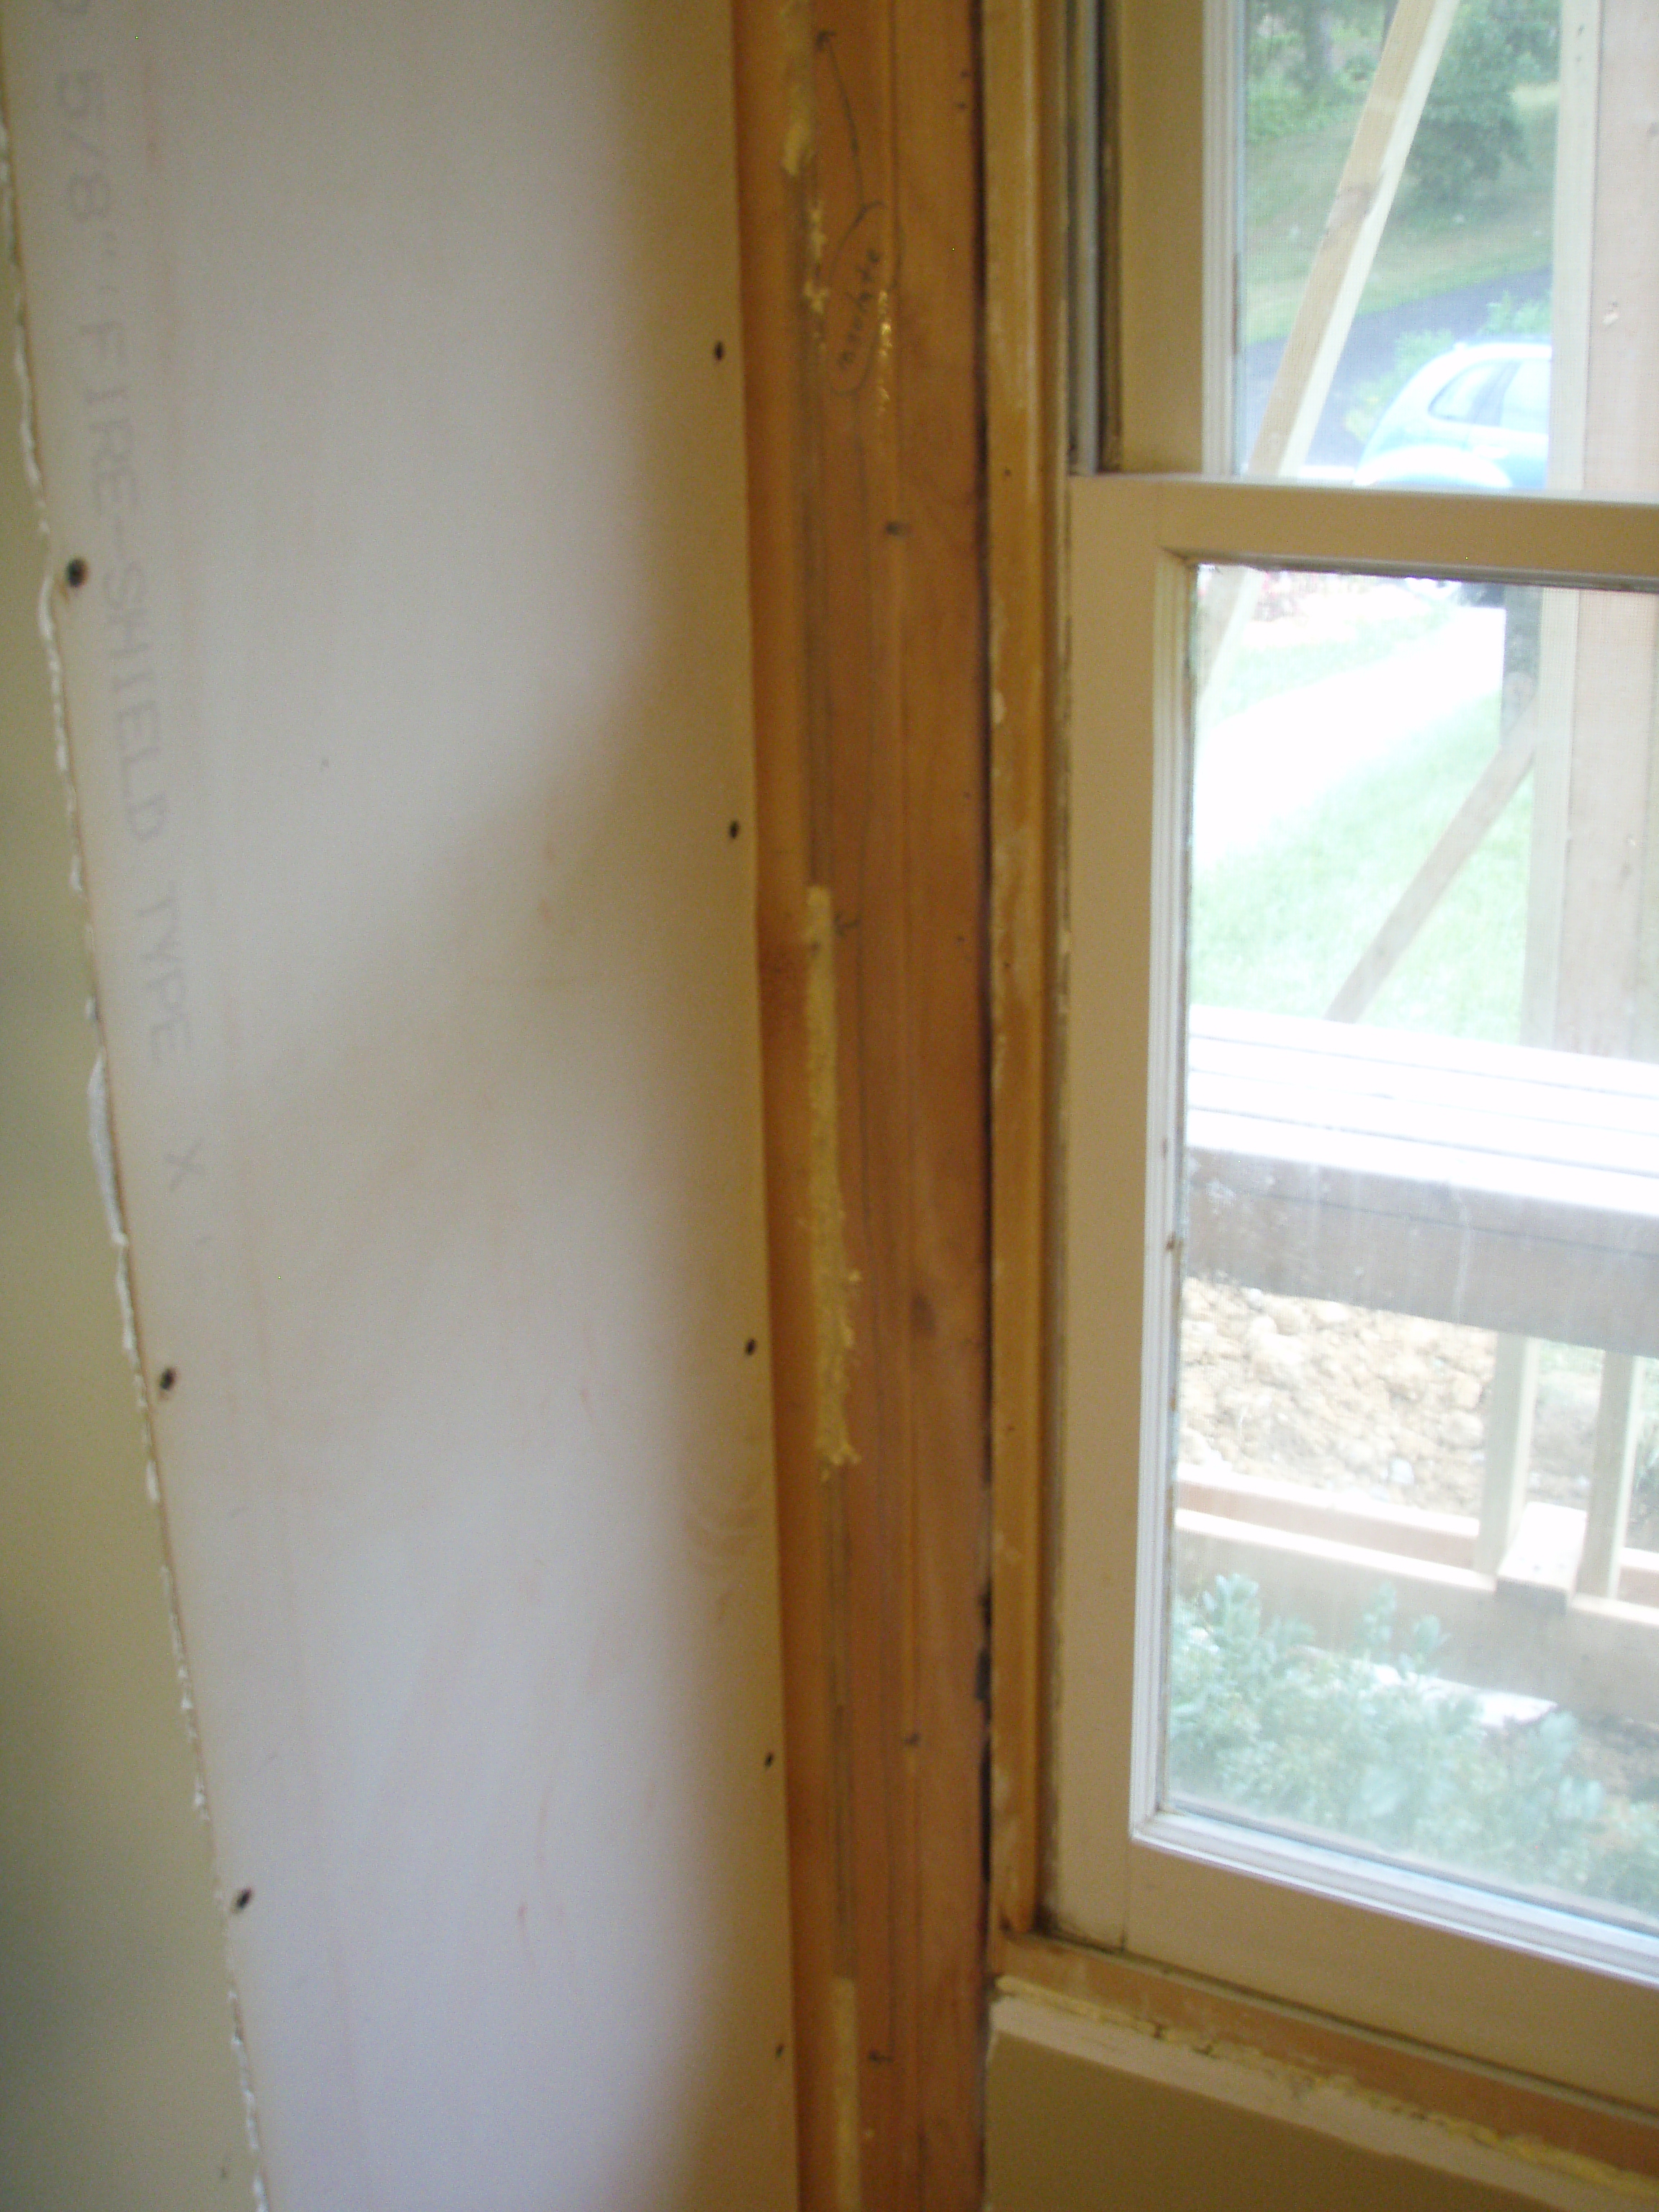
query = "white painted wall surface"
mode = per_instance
[{"x": 377, "y": 360}]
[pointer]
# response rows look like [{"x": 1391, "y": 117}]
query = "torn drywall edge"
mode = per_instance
[
  {"x": 1333, "y": 2105},
  {"x": 101, "y": 1116},
  {"x": 100, "y": 1140},
  {"x": 36, "y": 483},
  {"x": 204, "y": 1814}
]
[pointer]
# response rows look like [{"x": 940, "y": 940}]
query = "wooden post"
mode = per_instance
[
  {"x": 1024, "y": 419},
  {"x": 1516, "y": 1376},
  {"x": 859, "y": 174},
  {"x": 1572, "y": 256},
  {"x": 1617, "y": 1426},
  {"x": 1594, "y": 971},
  {"x": 1509, "y": 1450},
  {"x": 1593, "y": 945},
  {"x": 1498, "y": 784}
]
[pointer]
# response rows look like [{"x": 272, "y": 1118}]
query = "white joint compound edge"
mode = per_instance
[{"x": 100, "y": 1121}]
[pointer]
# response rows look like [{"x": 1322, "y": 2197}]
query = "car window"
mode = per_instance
[
  {"x": 1469, "y": 398},
  {"x": 1527, "y": 402}
]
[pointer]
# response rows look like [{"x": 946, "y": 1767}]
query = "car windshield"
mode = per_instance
[
  {"x": 1471, "y": 397},
  {"x": 1526, "y": 402}
]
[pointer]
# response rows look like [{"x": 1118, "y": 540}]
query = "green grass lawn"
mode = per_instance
[
  {"x": 1277, "y": 928},
  {"x": 1369, "y": 1744},
  {"x": 1262, "y": 674},
  {"x": 1503, "y": 230}
]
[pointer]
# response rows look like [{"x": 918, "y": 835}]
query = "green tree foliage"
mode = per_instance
[
  {"x": 1303, "y": 59},
  {"x": 1309, "y": 23},
  {"x": 1371, "y": 1745},
  {"x": 1413, "y": 351},
  {"x": 1469, "y": 127}
]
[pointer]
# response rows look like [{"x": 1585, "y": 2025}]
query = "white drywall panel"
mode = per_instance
[{"x": 385, "y": 379}]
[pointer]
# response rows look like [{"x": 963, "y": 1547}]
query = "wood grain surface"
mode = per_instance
[{"x": 859, "y": 137}]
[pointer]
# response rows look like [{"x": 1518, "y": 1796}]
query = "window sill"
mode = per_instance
[{"x": 1619, "y": 2141}]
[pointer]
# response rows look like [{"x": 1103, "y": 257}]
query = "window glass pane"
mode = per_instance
[
  {"x": 1434, "y": 206},
  {"x": 1416, "y": 1566},
  {"x": 1455, "y": 395},
  {"x": 1527, "y": 400}
]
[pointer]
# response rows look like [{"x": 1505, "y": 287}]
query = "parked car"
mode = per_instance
[{"x": 1476, "y": 419}]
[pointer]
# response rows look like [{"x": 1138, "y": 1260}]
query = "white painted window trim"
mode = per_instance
[{"x": 1564, "y": 1998}]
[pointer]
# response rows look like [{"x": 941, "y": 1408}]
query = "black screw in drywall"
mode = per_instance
[{"x": 76, "y": 574}]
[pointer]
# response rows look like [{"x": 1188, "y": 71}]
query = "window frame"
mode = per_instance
[
  {"x": 1545, "y": 1993},
  {"x": 1168, "y": 308}
]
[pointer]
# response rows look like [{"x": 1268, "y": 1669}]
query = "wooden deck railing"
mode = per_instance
[{"x": 1502, "y": 1187}]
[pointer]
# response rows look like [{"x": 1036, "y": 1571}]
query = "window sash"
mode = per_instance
[{"x": 1573, "y": 2000}]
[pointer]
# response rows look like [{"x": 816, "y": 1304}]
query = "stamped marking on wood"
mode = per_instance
[{"x": 861, "y": 276}]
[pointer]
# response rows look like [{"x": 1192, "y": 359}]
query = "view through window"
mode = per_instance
[
  {"x": 1414, "y": 1600},
  {"x": 1416, "y": 1569},
  {"x": 1398, "y": 231},
  {"x": 1356, "y": 1541}
]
